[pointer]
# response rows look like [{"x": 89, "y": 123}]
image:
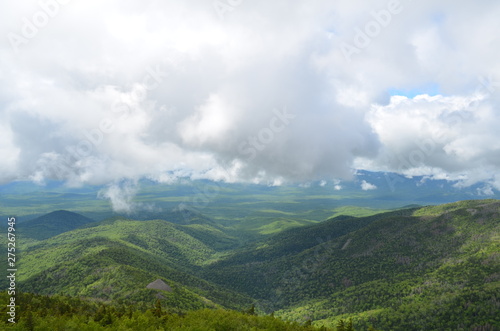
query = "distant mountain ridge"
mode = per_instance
[
  {"x": 52, "y": 224},
  {"x": 221, "y": 201}
]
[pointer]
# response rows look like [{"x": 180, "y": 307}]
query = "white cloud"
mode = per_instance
[
  {"x": 9, "y": 152},
  {"x": 210, "y": 123},
  {"x": 168, "y": 89},
  {"x": 438, "y": 135},
  {"x": 486, "y": 190},
  {"x": 121, "y": 195},
  {"x": 365, "y": 186}
]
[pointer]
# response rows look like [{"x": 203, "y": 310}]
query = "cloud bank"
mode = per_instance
[{"x": 94, "y": 93}]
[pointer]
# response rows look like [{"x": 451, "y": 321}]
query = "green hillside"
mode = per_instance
[
  {"x": 394, "y": 270},
  {"x": 119, "y": 273},
  {"x": 116, "y": 259},
  {"x": 421, "y": 268}
]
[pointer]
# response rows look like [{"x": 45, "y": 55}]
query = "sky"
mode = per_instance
[{"x": 269, "y": 92}]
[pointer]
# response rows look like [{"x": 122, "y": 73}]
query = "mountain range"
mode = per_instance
[{"x": 415, "y": 268}]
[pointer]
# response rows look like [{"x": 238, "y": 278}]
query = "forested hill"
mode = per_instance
[
  {"x": 422, "y": 268},
  {"x": 52, "y": 224},
  {"x": 436, "y": 267}
]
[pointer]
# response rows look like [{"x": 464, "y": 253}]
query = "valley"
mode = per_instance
[{"x": 314, "y": 262}]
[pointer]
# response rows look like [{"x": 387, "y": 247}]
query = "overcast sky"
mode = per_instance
[{"x": 258, "y": 91}]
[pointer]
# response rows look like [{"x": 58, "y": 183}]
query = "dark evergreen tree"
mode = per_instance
[
  {"x": 251, "y": 310},
  {"x": 157, "y": 311},
  {"x": 341, "y": 325},
  {"x": 349, "y": 326},
  {"x": 29, "y": 323}
]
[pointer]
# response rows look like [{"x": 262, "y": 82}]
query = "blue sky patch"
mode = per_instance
[{"x": 430, "y": 89}]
